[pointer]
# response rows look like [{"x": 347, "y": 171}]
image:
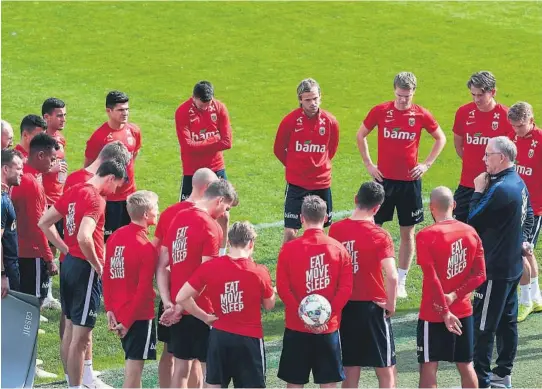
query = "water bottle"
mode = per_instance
[{"x": 61, "y": 175}]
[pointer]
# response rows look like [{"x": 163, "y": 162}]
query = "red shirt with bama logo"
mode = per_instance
[
  {"x": 306, "y": 146},
  {"x": 202, "y": 135},
  {"x": 451, "y": 256},
  {"x": 399, "y": 137},
  {"x": 529, "y": 165},
  {"x": 367, "y": 244},
  {"x": 128, "y": 275},
  {"x": 477, "y": 128},
  {"x": 236, "y": 288},
  {"x": 130, "y": 136},
  {"x": 193, "y": 234},
  {"x": 51, "y": 184},
  {"x": 314, "y": 263}
]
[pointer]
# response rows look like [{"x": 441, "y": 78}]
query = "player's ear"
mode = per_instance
[
  {"x": 376, "y": 209},
  {"x": 454, "y": 205}
]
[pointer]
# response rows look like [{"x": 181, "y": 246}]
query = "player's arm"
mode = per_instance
[
  {"x": 269, "y": 299},
  {"x": 333, "y": 139},
  {"x": 185, "y": 300},
  {"x": 34, "y": 215},
  {"x": 86, "y": 243},
  {"x": 162, "y": 276},
  {"x": 93, "y": 148},
  {"x": 47, "y": 225},
  {"x": 440, "y": 141},
  {"x": 224, "y": 128},
  {"x": 363, "y": 146},
  {"x": 458, "y": 144},
  {"x": 182, "y": 125},
  {"x": 426, "y": 261},
  {"x": 345, "y": 284},
  {"x": 283, "y": 281},
  {"x": 459, "y": 131},
  {"x": 280, "y": 148},
  {"x": 211, "y": 242},
  {"x": 388, "y": 266},
  {"x": 477, "y": 274}
]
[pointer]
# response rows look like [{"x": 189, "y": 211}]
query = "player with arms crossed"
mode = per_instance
[
  {"x": 128, "y": 277},
  {"x": 204, "y": 132},
  {"x": 312, "y": 263},
  {"x": 238, "y": 288},
  {"x": 475, "y": 123},
  {"x": 306, "y": 142},
  {"x": 116, "y": 128},
  {"x": 451, "y": 257},
  {"x": 366, "y": 332},
  {"x": 400, "y": 123},
  {"x": 193, "y": 237},
  {"x": 528, "y": 140},
  {"x": 83, "y": 210}
]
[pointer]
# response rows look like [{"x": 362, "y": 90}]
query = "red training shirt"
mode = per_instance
[
  {"x": 167, "y": 217},
  {"x": 314, "y": 263},
  {"x": 30, "y": 204},
  {"x": 193, "y": 234},
  {"x": 236, "y": 288},
  {"x": 82, "y": 200},
  {"x": 202, "y": 135},
  {"x": 306, "y": 146},
  {"x": 77, "y": 177},
  {"x": 128, "y": 275},
  {"x": 477, "y": 128},
  {"x": 399, "y": 135},
  {"x": 51, "y": 184},
  {"x": 367, "y": 244},
  {"x": 529, "y": 165},
  {"x": 451, "y": 256},
  {"x": 130, "y": 136},
  {"x": 23, "y": 152}
]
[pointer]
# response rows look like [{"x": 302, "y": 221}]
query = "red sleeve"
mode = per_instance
[
  {"x": 281, "y": 140},
  {"x": 385, "y": 247},
  {"x": 429, "y": 122},
  {"x": 149, "y": 257},
  {"x": 137, "y": 136},
  {"x": 38, "y": 200},
  {"x": 265, "y": 282},
  {"x": 94, "y": 206},
  {"x": 160, "y": 231},
  {"x": 477, "y": 274},
  {"x": 212, "y": 238},
  {"x": 430, "y": 278},
  {"x": 94, "y": 146},
  {"x": 459, "y": 124},
  {"x": 333, "y": 139},
  {"x": 371, "y": 121},
  {"x": 106, "y": 280},
  {"x": 198, "y": 279},
  {"x": 283, "y": 280},
  {"x": 224, "y": 128},
  {"x": 183, "y": 134},
  {"x": 345, "y": 284},
  {"x": 61, "y": 204}
]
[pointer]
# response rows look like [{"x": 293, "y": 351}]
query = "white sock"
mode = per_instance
[
  {"x": 525, "y": 298},
  {"x": 402, "y": 276},
  {"x": 535, "y": 290},
  {"x": 50, "y": 290},
  {"x": 67, "y": 379},
  {"x": 222, "y": 251},
  {"x": 75, "y": 387},
  {"x": 88, "y": 375}
]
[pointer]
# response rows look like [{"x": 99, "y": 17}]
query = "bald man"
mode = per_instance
[
  {"x": 451, "y": 257},
  {"x": 7, "y": 135},
  {"x": 200, "y": 181}
]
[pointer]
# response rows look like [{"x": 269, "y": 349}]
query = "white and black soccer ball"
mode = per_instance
[{"x": 314, "y": 310}]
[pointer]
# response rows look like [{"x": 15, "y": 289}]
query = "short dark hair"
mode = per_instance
[
  {"x": 370, "y": 194},
  {"x": 116, "y": 97},
  {"x": 314, "y": 209},
  {"x": 8, "y": 155},
  {"x": 31, "y": 122},
  {"x": 241, "y": 233},
  {"x": 221, "y": 188},
  {"x": 112, "y": 167},
  {"x": 43, "y": 142},
  {"x": 204, "y": 91},
  {"x": 50, "y": 105}
]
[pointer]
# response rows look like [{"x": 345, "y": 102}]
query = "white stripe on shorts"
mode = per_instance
[
  {"x": 388, "y": 339},
  {"x": 38, "y": 278},
  {"x": 426, "y": 341},
  {"x": 88, "y": 296},
  {"x": 148, "y": 342},
  {"x": 486, "y": 305},
  {"x": 262, "y": 354},
  {"x": 535, "y": 229}
]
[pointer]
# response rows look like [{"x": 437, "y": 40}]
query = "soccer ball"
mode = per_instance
[{"x": 314, "y": 310}]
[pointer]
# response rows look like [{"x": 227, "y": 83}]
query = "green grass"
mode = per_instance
[{"x": 255, "y": 54}]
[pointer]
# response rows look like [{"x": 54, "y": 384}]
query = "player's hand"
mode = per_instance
[
  {"x": 210, "y": 319},
  {"x": 387, "y": 306},
  {"x": 171, "y": 315},
  {"x": 372, "y": 169},
  {"x": 450, "y": 298},
  {"x": 527, "y": 249},
  {"x": 5, "y": 286},
  {"x": 452, "y": 323},
  {"x": 481, "y": 182},
  {"x": 52, "y": 269},
  {"x": 317, "y": 330},
  {"x": 111, "y": 321},
  {"x": 99, "y": 269},
  {"x": 59, "y": 166},
  {"x": 419, "y": 170},
  {"x": 120, "y": 330}
]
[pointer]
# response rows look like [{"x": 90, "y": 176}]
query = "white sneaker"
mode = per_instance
[
  {"x": 39, "y": 362},
  {"x": 43, "y": 319},
  {"x": 51, "y": 303},
  {"x": 401, "y": 291},
  {"x": 44, "y": 374},
  {"x": 96, "y": 383},
  {"x": 497, "y": 381},
  {"x": 40, "y": 331}
]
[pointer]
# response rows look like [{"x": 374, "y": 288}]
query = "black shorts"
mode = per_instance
[
  {"x": 535, "y": 231},
  {"x": 34, "y": 279},
  {"x": 188, "y": 339},
  {"x": 139, "y": 344},
  {"x": 462, "y": 198},
  {"x": 186, "y": 184},
  {"x": 406, "y": 196},
  {"x": 303, "y": 352},
  {"x": 235, "y": 357},
  {"x": 366, "y": 335},
  {"x": 162, "y": 331},
  {"x": 435, "y": 343},
  {"x": 11, "y": 266},
  {"x": 116, "y": 216},
  {"x": 294, "y": 196},
  {"x": 80, "y": 291}
]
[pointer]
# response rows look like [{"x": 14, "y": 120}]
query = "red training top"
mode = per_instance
[
  {"x": 167, "y": 217},
  {"x": 52, "y": 185}
]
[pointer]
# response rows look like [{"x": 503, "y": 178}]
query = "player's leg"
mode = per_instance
[
  {"x": 165, "y": 366},
  {"x": 462, "y": 198},
  {"x": 65, "y": 346},
  {"x": 327, "y": 366},
  {"x": 434, "y": 343},
  {"x": 468, "y": 375},
  {"x": 181, "y": 370},
  {"x": 463, "y": 353},
  {"x": 326, "y": 195},
  {"x": 536, "y": 297},
  {"x": 292, "y": 210},
  {"x": 353, "y": 330},
  {"x": 428, "y": 375},
  {"x": 76, "y": 353},
  {"x": 196, "y": 377},
  {"x": 385, "y": 213},
  {"x": 139, "y": 345},
  {"x": 133, "y": 370},
  {"x": 386, "y": 377},
  {"x": 247, "y": 363},
  {"x": 525, "y": 302},
  {"x": 352, "y": 375},
  {"x": 89, "y": 375},
  {"x": 295, "y": 358}
]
